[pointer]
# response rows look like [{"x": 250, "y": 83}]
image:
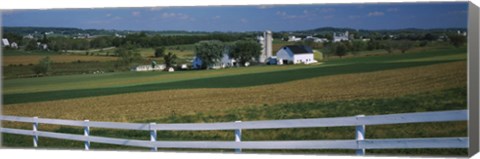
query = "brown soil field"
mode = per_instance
[
  {"x": 153, "y": 105},
  {"x": 33, "y": 59}
]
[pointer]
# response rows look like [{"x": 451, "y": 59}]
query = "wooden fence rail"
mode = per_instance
[{"x": 359, "y": 143}]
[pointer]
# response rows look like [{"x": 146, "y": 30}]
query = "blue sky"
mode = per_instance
[{"x": 249, "y": 18}]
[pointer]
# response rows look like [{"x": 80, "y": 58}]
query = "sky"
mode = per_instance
[{"x": 249, "y": 18}]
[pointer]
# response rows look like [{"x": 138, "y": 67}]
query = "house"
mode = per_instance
[
  {"x": 5, "y": 42},
  {"x": 149, "y": 68},
  {"x": 316, "y": 39},
  {"x": 29, "y": 36},
  {"x": 337, "y": 37},
  {"x": 293, "y": 39},
  {"x": 295, "y": 54},
  {"x": 225, "y": 61},
  {"x": 14, "y": 45}
]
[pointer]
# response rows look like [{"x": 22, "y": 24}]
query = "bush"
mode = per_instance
[{"x": 42, "y": 67}]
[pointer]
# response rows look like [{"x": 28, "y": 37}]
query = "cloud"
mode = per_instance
[
  {"x": 284, "y": 14},
  {"x": 281, "y": 13},
  {"x": 327, "y": 10},
  {"x": 243, "y": 20},
  {"x": 182, "y": 16},
  {"x": 354, "y": 16},
  {"x": 265, "y": 6},
  {"x": 376, "y": 13},
  {"x": 156, "y": 8},
  {"x": 328, "y": 17},
  {"x": 392, "y": 10},
  {"x": 136, "y": 13}
]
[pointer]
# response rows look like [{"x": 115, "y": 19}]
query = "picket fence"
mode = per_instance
[{"x": 359, "y": 143}]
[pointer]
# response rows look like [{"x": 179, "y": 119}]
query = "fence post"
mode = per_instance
[
  {"x": 359, "y": 136},
  {"x": 238, "y": 137},
  {"x": 35, "y": 129},
  {"x": 153, "y": 135},
  {"x": 86, "y": 133}
]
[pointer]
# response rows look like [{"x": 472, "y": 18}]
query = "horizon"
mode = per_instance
[{"x": 277, "y": 18}]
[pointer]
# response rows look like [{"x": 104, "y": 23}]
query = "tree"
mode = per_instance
[
  {"x": 388, "y": 45},
  {"x": 31, "y": 45},
  {"x": 357, "y": 46},
  {"x": 129, "y": 56},
  {"x": 457, "y": 40},
  {"x": 42, "y": 67},
  {"x": 373, "y": 44},
  {"x": 244, "y": 51},
  {"x": 328, "y": 49},
  {"x": 169, "y": 59},
  {"x": 341, "y": 50},
  {"x": 160, "y": 52},
  {"x": 209, "y": 52},
  {"x": 100, "y": 42},
  {"x": 404, "y": 45}
]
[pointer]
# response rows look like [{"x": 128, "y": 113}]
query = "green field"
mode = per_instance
[{"x": 420, "y": 80}]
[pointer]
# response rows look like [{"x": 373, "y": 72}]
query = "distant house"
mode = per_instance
[
  {"x": 295, "y": 54},
  {"x": 29, "y": 36},
  {"x": 316, "y": 39},
  {"x": 5, "y": 42},
  {"x": 337, "y": 37},
  {"x": 14, "y": 45},
  {"x": 225, "y": 61},
  {"x": 149, "y": 68},
  {"x": 293, "y": 39}
]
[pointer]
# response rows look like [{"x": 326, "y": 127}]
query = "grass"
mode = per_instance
[
  {"x": 337, "y": 66},
  {"x": 136, "y": 103},
  {"x": 14, "y": 73},
  {"x": 447, "y": 99},
  {"x": 33, "y": 59}
]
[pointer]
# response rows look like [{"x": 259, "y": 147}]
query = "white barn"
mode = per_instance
[{"x": 295, "y": 54}]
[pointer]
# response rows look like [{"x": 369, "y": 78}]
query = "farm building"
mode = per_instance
[
  {"x": 294, "y": 39},
  {"x": 149, "y": 68},
  {"x": 14, "y": 45},
  {"x": 315, "y": 39},
  {"x": 225, "y": 61},
  {"x": 5, "y": 42},
  {"x": 340, "y": 37},
  {"x": 295, "y": 54},
  {"x": 266, "y": 44}
]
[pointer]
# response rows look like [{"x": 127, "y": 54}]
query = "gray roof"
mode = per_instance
[{"x": 298, "y": 49}]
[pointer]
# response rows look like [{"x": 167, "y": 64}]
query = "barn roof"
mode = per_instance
[{"x": 298, "y": 49}]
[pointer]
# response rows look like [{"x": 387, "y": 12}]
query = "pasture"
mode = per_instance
[
  {"x": 33, "y": 59},
  {"x": 417, "y": 81}
]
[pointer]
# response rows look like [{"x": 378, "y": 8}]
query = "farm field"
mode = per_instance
[
  {"x": 33, "y": 59},
  {"x": 417, "y": 81}
]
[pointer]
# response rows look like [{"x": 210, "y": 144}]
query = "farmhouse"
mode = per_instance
[
  {"x": 315, "y": 39},
  {"x": 5, "y": 42},
  {"x": 225, "y": 61},
  {"x": 294, "y": 39},
  {"x": 149, "y": 68},
  {"x": 295, "y": 54},
  {"x": 337, "y": 37}
]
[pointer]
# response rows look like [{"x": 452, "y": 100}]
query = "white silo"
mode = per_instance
[{"x": 268, "y": 43}]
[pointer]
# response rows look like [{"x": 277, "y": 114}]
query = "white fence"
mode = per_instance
[{"x": 359, "y": 143}]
